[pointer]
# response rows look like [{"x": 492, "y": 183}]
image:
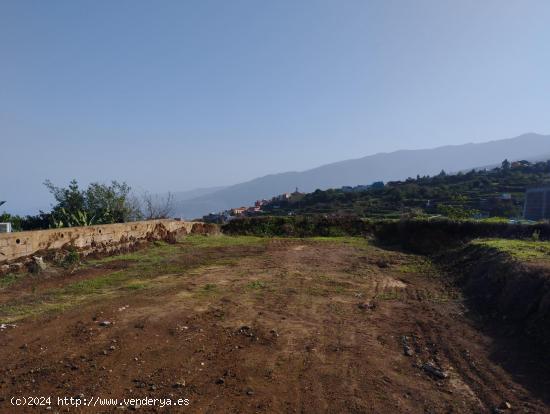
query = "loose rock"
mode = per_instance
[
  {"x": 16, "y": 267},
  {"x": 434, "y": 371},
  {"x": 366, "y": 305},
  {"x": 37, "y": 264},
  {"x": 246, "y": 331},
  {"x": 407, "y": 350}
]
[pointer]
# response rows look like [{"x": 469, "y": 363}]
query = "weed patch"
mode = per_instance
[
  {"x": 256, "y": 284},
  {"x": 519, "y": 249}
]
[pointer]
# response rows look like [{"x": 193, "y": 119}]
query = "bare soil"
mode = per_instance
[{"x": 261, "y": 326}]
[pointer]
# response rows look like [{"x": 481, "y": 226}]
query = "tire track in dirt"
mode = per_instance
[{"x": 298, "y": 326}]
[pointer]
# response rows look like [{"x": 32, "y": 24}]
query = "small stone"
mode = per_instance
[
  {"x": 16, "y": 267},
  {"x": 434, "y": 371},
  {"x": 249, "y": 392},
  {"x": 179, "y": 385},
  {"x": 37, "y": 264},
  {"x": 381, "y": 263},
  {"x": 105, "y": 323},
  {"x": 112, "y": 347},
  {"x": 246, "y": 331},
  {"x": 366, "y": 306},
  {"x": 506, "y": 405},
  {"x": 406, "y": 348},
  {"x": 220, "y": 381}
]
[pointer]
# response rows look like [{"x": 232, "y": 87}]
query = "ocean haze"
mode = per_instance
[{"x": 396, "y": 165}]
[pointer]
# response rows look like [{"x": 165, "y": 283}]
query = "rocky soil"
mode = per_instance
[{"x": 248, "y": 325}]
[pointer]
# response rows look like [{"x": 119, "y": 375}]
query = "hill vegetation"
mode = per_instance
[
  {"x": 497, "y": 192},
  {"x": 378, "y": 167}
]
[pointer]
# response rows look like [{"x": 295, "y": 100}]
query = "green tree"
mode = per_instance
[
  {"x": 111, "y": 203},
  {"x": 98, "y": 204},
  {"x": 13, "y": 219}
]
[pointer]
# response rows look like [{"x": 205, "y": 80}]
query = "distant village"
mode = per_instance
[
  {"x": 248, "y": 211},
  {"x": 259, "y": 205}
]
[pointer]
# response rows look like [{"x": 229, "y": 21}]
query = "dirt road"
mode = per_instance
[{"x": 247, "y": 325}]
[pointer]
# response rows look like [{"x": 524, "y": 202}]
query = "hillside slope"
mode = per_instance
[
  {"x": 498, "y": 192},
  {"x": 384, "y": 166}
]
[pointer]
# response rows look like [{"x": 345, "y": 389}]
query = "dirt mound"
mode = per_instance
[{"x": 514, "y": 293}]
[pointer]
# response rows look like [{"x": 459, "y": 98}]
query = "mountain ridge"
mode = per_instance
[{"x": 383, "y": 166}]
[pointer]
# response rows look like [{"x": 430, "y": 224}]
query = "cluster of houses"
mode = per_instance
[{"x": 250, "y": 211}]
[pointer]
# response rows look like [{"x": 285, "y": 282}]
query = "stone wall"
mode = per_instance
[{"x": 94, "y": 239}]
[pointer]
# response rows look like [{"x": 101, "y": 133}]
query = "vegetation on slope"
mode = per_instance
[
  {"x": 498, "y": 192},
  {"x": 523, "y": 250}
]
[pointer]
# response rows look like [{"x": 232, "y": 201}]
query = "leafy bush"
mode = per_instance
[
  {"x": 298, "y": 226},
  {"x": 432, "y": 236},
  {"x": 98, "y": 204},
  {"x": 71, "y": 259}
]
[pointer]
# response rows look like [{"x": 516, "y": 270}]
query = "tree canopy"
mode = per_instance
[{"x": 97, "y": 204}]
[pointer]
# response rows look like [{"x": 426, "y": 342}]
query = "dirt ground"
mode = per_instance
[{"x": 248, "y": 325}]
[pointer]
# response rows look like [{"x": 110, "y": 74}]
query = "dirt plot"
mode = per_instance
[{"x": 251, "y": 325}]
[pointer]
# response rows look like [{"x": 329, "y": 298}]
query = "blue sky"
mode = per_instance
[{"x": 174, "y": 95}]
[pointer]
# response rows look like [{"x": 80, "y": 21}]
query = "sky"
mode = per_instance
[{"x": 176, "y": 95}]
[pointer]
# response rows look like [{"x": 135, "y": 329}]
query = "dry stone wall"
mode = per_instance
[{"x": 94, "y": 239}]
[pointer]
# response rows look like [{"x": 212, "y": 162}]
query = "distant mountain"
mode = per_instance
[
  {"x": 383, "y": 166},
  {"x": 180, "y": 196}
]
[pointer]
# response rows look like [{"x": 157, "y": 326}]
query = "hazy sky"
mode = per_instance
[{"x": 172, "y": 95}]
